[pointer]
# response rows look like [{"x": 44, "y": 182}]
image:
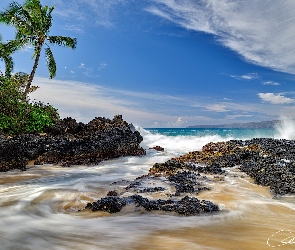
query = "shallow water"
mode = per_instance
[{"x": 39, "y": 209}]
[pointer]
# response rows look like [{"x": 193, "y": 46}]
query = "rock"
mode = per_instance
[
  {"x": 186, "y": 206},
  {"x": 110, "y": 204},
  {"x": 158, "y": 148},
  {"x": 71, "y": 143},
  {"x": 112, "y": 193},
  {"x": 271, "y": 162}
]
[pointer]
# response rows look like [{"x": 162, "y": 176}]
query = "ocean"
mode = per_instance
[{"x": 39, "y": 208}]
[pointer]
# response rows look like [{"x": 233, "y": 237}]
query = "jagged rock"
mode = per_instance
[
  {"x": 186, "y": 206},
  {"x": 70, "y": 143},
  {"x": 271, "y": 162}
]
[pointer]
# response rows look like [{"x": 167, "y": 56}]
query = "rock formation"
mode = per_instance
[{"x": 72, "y": 143}]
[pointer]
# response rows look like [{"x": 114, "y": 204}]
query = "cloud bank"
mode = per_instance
[
  {"x": 262, "y": 32},
  {"x": 84, "y": 101}
]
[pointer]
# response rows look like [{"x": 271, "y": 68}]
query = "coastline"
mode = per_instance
[
  {"x": 53, "y": 198},
  {"x": 71, "y": 143},
  {"x": 267, "y": 161}
]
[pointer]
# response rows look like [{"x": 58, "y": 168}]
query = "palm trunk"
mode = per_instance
[{"x": 28, "y": 86}]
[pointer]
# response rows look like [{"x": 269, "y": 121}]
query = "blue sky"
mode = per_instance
[{"x": 169, "y": 63}]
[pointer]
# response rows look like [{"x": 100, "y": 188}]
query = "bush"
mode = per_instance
[
  {"x": 18, "y": 115},
  {"x": 40, "y": 116}
]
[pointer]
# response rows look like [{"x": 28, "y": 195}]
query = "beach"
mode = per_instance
[{"x": 43, "y": 207}]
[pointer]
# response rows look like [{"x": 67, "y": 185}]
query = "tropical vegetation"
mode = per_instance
[
  {"x": 20, "y": 116},
  {"x": 32, "y": 23}
]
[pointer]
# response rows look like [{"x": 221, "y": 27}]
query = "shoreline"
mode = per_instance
[
  {"x": 72, "y": 143},
  {"x": 267, "y": 161}
]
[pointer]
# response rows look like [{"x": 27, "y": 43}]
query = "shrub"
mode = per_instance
[
  {"x": 40, "y": 116},
  {"x": 18, "y": 115}
]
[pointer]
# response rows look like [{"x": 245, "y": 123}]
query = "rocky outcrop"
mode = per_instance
[
  {"x": 181, "y": 182},
  {"x": 186, "y": 206},
  {"x": 72, "y": 143},
  {"x": 269, "y": 161}
]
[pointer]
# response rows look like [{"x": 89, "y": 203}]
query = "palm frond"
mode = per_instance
[
  {"x": 16, "y": 16},
  {"x": 6, "y": 49},
  {"x": 63, "y": 41},
  {"x": 50, "y": 62},
  {"x": 8, "y": 65},
  {"x": 33, "y": 22},
  {"x": 8, "y": 15}
]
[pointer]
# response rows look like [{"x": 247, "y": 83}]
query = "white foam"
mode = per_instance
[
  {"x": 177, "y": 145},
  {"x": 286, "y": 129}
]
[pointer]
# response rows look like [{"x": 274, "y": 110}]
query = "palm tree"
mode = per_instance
[
  {"x": 33, "y": 22},
  {"x": 6, "y": 49}
]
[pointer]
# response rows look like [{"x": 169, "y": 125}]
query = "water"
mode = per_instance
[{"x": 39, "y": 207}]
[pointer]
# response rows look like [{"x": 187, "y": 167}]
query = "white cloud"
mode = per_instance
[
  {"x": 217, "y": 108},
  {"x": 270, "y": 83},
  {"x": 178, "y": 123},
  {"x": 275, "y": 98},
  {"x": 263, "y": 32},
  {"x": 232, "y": 117},
  {"x": 85, "y": 101},
  {"x": 249, "y": 76}
]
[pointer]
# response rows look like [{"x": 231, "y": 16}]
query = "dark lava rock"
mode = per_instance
[
  {"x": 186, "y": 206},
  {"x": 168, "y": 168},
  {"x": 112, "y": 193},
  {"x": 133, "y": 184},
  {"x": 271, "y": 162},
  {"x": 71, "y": 143},
  {"x": 110, "y": 204},
  {"x": 151, "y": 190},
  {"x": 184, "y": 182},
  {"x": 158, "y": 148}
]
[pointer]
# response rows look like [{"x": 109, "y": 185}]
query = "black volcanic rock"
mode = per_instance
[
  {"x": 186, "y": 206},
  {"x": 271, "y": 162},
  {"x": 72, "y": 143}
]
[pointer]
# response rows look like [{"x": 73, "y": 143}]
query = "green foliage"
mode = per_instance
[
  {"x": 33, "y": 22},
  {"x": 6, "y": 49},
  {"x": 40, "y": 116},
  {"x": 17, "y": 115}
]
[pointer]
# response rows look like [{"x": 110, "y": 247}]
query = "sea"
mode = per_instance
[{"x": 42, "y": 208}]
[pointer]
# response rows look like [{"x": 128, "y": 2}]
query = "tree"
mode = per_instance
[
  {"x": 6, "y": 49},
  {"x": 33, "y": 22}
]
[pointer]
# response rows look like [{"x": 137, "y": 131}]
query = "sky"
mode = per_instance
[{"x": 169, "y": 63}]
